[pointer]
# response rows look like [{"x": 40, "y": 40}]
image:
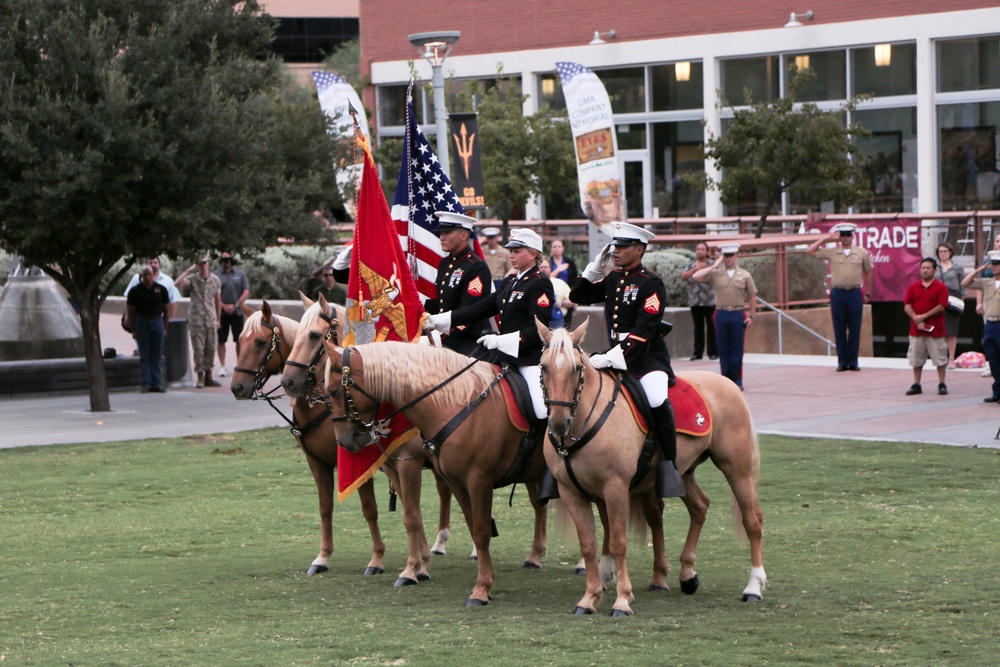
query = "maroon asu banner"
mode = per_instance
[{"x": 894, "y": 246}]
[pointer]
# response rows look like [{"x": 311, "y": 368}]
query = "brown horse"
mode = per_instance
[
  {"x": 603, "y": 468},
  {"x": 432, "y": 387},
  {"x": 266, "y": 343}
]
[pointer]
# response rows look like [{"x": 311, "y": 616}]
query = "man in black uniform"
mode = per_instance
[
  {"x": 519, "y": 300},
  {"x": 634, "y": 298},
  {"x": 463, "y": 278}
]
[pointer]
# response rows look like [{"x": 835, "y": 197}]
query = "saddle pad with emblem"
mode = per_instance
[
  {"x": 514, "y": 387},
  {"x": 691, "y": 413}
]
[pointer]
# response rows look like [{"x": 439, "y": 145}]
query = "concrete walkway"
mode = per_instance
[{"x": 788, "y": 395}]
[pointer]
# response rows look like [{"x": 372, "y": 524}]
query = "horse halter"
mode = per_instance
[
  {"x": 572, "y": 405},
  {"x": 351, "y": 413},
  {"x": 260, "y": 378},
  {"x": 331, "y": 334}
]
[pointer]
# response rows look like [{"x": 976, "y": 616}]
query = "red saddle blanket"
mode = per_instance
[
  {"x": 691, "y": 412},
  {"x": 354, "y": 469},
  {"x": 517, "y": 417}
]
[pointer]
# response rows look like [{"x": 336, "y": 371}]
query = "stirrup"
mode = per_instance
[
  {"x": 548, "y": 488},
  {"x": 668, "y": 482}
]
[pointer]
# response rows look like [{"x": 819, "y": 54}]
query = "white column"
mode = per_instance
[
  {"x": 927, "y": 134},
  {"x": 710, "y": 86}
]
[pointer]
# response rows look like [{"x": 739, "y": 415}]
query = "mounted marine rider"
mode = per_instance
[
  {"x": 463, "y": 278},
  {"x": 634, "y": 298},
  {"x": 520, "y": 299}
]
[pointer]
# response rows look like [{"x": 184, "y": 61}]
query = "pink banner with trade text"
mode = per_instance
[{"x": 894, "y": 246}]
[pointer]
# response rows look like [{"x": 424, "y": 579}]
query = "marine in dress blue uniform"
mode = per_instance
[
  {"x": 634, "y": 298},
  {"x": 463, "y": 278}
]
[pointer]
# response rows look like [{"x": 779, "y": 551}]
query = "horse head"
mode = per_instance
[
  {"x": 318, "y": 323},
  {"x": 562, "y": 367},
  {"x": 264, "y": 344},
  {"x": 351, "y": 403}
]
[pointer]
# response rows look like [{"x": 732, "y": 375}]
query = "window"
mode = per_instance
[
  {"x": 968, "y": 158},
  {"x": 310, "y": 40},
  {"x": 760, "y": 75},
  {"x": 550, "y": 91},
  {"x": 968, "y": 64},
  {"x": 829, "y": 69},
  {"x": 677, "y": 150},
  {"x": 392, "y": 105},
  {"x": 885, "y": 69},
  {"x": 676, "y": 86},
  {"x": 626, "y": 88},
  {"x": 892, "y": 151}
]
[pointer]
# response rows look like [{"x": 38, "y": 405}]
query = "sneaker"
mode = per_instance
[
  {"x": 942, "y": 389},
  {"x": 222, "y": 372},
  {"x": 914, "y": 389}
]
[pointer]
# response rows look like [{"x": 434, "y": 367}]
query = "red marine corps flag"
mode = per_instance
[{"x": 382, "y": 304}]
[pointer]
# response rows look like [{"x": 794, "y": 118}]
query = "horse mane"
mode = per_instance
[
  {"x": 313, "y": 313},
  {"x": 255, "y": 325},
  {"x": 561, "y": 343},
  {"x": 394, "y": 368}
]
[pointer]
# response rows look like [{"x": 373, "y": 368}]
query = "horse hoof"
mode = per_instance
[
  {"x": 583, "y": 611},
  {"x": 750, "y": 597},
  {"x": 476, "y": 602},
  {"x": 423, "y": 577},
  {"x": 316, "y": 569},
  {"x": 620, "y": 613},
  {"x": 438, "y": 553},
  {"x": 581, "y": 570},
  {"x": 654, "y": 587},
  {"x": 528, "y": 565},
  {"x": 691, "y": 585},
  {"x": 370, "y": 571},
  {"x": 405, "y": 581}
]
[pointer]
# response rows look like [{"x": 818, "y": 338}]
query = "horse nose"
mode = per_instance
[
  {"x": 559, "y": 427},
  {"x": 239, "y": 390},
  {"x": 289, "y": 385}
]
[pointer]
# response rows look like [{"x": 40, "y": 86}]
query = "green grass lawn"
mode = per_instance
[{"x": 193, "y": 551}]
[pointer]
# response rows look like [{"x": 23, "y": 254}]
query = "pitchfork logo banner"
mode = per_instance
[
  {"x": 591, "y": 118},
  {"x": 465, "y": 146},
  {"x": 894, "y": 248}
]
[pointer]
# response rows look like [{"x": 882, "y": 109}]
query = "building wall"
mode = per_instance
[{"x": 313, "y": 8}]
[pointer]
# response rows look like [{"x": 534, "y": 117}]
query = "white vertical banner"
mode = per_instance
[
  {"x": 336, "y": 96},
  {"x": 590, "y": 116}
]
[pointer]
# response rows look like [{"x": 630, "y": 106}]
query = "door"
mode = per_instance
[{"x": 636, "y": 183}]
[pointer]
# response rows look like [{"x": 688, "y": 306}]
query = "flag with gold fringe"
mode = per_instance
[{"x": 382, "y": 304}]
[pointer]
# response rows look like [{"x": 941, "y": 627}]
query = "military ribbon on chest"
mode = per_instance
[
  {"x": 456, "y": 277},
  {"x": 630, "y": 294}
]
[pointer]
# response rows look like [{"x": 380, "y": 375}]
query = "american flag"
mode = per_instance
[
  {"x": 422, "y": 189},
  {"x": 572, "y": 75}
]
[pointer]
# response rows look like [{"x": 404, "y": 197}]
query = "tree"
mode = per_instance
[
  {"x": 130, "y": 129},
  {"x": 781, "y": 146}
]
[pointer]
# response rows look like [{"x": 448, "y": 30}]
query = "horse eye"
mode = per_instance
[
  {"x": 260, "y": 343},
  {"x": 314, "y": 335},
  {"x": 545, "y": 369}
]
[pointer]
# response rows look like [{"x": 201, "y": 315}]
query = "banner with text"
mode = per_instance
[
  {"x": 465, "y": 146},
  {"x": 894, "y": 247},
  {"x": 591, "y": 118}
]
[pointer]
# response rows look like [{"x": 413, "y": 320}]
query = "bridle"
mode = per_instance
[
  {"x": 572, "y": 405},
  {"x": 259, "y": 377},
  {"x": 310, "y": 368}
]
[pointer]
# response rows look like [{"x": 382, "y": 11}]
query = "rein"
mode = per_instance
[{"x": 258, "y": 375}]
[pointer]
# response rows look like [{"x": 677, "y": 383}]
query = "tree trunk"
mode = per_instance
[
  {"x": 90, "y": 318},
  {"x": 774, "y": 199}
]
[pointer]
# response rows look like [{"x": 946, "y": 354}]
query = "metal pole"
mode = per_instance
[{"x": 441, "y": 119}]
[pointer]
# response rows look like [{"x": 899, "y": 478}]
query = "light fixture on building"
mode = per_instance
[
  {"x": 802, "y": 62},
  {"x": 435, "y": 47},
  {"x": 598, "y": 37},
  {"x": 682, "y": 71},
  {"x": 548, "y": 86},
  {"x": 793, "y": 20},
  {"x": 883, "y": 55}
]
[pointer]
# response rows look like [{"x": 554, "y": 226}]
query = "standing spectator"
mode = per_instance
[
  {"x": 701, "y": 299},
  {"x": 562, "y": 307},
  {"x": 204, "y": 315},
  {"x": 951, "y": 275},
  {"x": 161, "y": 279},
  {"x": 925, "y": 302},
  {"x": 330, "y": 288},
  {"x": 850, "y": 271},
  {"x": 734, "y": 287},
  {"x": 496, "y": 256},
  {"x": 563, "y": 268},
  {"x": 990, "y": 294},
  {"x": 235, "y": 290},
  {"x": 146, "y": 316}
]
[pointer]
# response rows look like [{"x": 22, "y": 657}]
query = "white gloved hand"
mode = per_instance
[
  {"x": 613, "y": 358},
  {"x": 440, "y": 322},
  {"x": 489, "y": 341},
  {"x": 595, "y": 270},
  {"x": 600, "y": 361},
  {"x": 343, "y": 260}
]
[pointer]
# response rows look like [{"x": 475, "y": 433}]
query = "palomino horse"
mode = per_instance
[
  {"x": 266, "y": 343},
  {"x": 435, "y": 389},
  {"x": 603, "y": 466}
]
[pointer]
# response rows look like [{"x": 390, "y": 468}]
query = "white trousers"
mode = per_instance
[
  {"x": 655, "y": 386},
  {"x": 533, "y": 376}
]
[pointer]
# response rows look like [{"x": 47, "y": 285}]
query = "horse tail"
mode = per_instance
[
  {"x": 734, "y": 507},
  {"x": 636, "y": 522}
]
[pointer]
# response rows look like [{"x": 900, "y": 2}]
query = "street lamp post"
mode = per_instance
[{"x": 435, "y": 47}]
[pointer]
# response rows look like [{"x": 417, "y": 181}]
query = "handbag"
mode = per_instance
[{"x": 956, "y": 305}]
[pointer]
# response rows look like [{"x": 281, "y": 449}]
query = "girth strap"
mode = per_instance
[{"x": 434, "y": 443}]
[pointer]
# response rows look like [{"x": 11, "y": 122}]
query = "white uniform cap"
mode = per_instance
[
  {"x": 993, "y": 255},
  {"x": 729, "y": 248},
  {"x": 622, "y": 233},
  {"x": 448, "y": 220},
  {"x": 844, "y": 228},
  {"x": 524, "y": 238},
  {"x": 489, "y": 232}
]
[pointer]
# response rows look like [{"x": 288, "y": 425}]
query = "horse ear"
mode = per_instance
[
  {"x": 246, "y": 309},
  {"x": 580, "y": 332},
  {"x": 324, "y": 305},
  {"x": 306, "y": 301},
  {"x": 334, "y": 353},
  {"x": 543, "y": 331},
  {"x": 265, "y": 311}
]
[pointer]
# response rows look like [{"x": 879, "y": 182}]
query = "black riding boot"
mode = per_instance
[
  {"x": 668, "y": 482},
  {"x": 548, "y": 488}
]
